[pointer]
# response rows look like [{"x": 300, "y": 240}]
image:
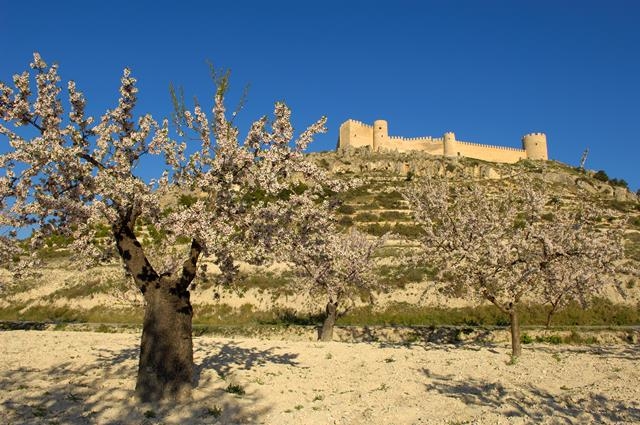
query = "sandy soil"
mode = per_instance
[{"x": 83, "y": 377}]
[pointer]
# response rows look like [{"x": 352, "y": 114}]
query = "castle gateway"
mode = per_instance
[{"x": 356, "y": 134}]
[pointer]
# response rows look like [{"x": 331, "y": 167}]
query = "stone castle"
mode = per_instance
[{"x": 356, "y": 134}]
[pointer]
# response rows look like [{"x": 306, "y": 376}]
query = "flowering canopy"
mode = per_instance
[
  {"x": 519, "y": 242},
  {"x": 74, "y": 174},
  {"x": 337, "y": 266}
]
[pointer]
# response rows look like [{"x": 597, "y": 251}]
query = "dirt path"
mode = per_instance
[{"x": 84, "y": 377}]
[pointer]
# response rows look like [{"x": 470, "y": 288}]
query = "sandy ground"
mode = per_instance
[{"x": 49, "y": 377}]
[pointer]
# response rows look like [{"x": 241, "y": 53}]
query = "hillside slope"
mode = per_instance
[{"x": 59, "y": 291}]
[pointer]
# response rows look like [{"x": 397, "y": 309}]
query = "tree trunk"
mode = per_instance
[
  {"x": 516, "y": 346},
  {"x": 165, "y": 370},
  {"x": 326, "y": 333},
  {"x": 549, "y": 315},
  {"x": 166, "y": 352}
]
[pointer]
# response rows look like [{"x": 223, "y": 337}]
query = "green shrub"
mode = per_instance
[
  {"x": 377, "y": 229},
  {"x": 410, "y": 231},
  {"x": 102, "y": 231},
  {"x": 266, "y": 280},
  {"x": 550, "y": 339},
  {"x": 214, "y": 411},
  {"x": 345, "y": 221},
  {"x": 187, "y": 200},
  {"x": 620, "y": 183},
  {"x": 57, "y": 240},
  {"x": 236, "y": 389},
  {"x": 346, "y": 209},
  {"x": 623, "y": 206},
  {"x": 526, "y": 339},
  {"x": 355, "y": 193},
  {"x": 366, "y": 217},
  {"x": 399, "y": 276},
  {"x": 394, "y": 216},
  {"x": 547, "y": 216},
  {"x": 89, "y": 288},
  {"x": 632, "y": 246},
  {"x": 390, "y": 200},
  {"x": 601, "y": 175},
  {"x": 50, "y": 253}
]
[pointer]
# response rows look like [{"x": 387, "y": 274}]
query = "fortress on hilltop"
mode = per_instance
[{"x": 356, "y": 134}]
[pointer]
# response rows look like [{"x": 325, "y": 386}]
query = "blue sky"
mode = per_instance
[{"x": 490, "y": 71}]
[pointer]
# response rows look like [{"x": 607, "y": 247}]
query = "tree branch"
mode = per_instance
[
  {"x": 189, "y": 267},
  {"x": 133, "y": 256}
]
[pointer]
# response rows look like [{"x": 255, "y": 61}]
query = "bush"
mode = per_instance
[
  {"x": 50, "y": 253},
  {"x": 619, "y": 182},
  {"x": 187, "y": 200},
  {"x": 550, "y": 339},
  {"x": 621, "y": 205},
  {"x": 345, "y": 221},
  {"x": 366, "y": 217},
  {"x": 354, "y": 193},
  {"x": 547, "y": 216},
  {"x": 601, "y": 175},
  {"x": 57, "y": 240},
  {"x": 410, "y": 231},
  {"x": 236, "y": 389},
  {"x": 398, "y": 277},
  {"x": 377, "y": 229},
  {"x": 394, "y": 215},
  {"x": 390, "y": 200},
  {"x": 346, "y": 209}
]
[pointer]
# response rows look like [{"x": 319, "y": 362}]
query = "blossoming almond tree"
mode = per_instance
[
  {"x": 70, "y": 174},
  {"x": 502, "y": 247},
  {"x": 582, "y": 258},
  {"x": 335, "y": 266}
]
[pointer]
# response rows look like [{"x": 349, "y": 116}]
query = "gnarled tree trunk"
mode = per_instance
[
  {"x": 326, "y": 332},
  {"x": 165, "y": 369}
]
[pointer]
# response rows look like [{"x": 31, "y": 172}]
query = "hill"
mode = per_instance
[{"x": 264, "y": 295}]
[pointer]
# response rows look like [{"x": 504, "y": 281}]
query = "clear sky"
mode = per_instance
[{"x": 488, "y": 70}]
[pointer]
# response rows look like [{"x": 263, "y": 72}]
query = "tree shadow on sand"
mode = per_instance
[
  {"x": 629, "y": 352},
  {"x": 102, "y": 390},
  {"x": 229, "y": 356},
  {"x": 393, "y": 335},
  {"x": 533, "y": 404}
]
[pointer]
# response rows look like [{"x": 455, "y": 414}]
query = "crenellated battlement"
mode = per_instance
[
  {"x": 416, "y": 139},
  {"x": 357, "y": 123},
  {"x": 482, "y": 145},
  {"x": 357, "y": 134}
]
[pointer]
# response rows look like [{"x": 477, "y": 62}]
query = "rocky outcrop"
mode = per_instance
[{"x": 362, "y": 161}]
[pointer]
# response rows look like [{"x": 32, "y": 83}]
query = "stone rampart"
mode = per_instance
[{"x": 355, "y": 134}]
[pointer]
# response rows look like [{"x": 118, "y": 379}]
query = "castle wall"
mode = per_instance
[
  {"x": 489, "y": 152},
  {"x": 356, "y": 134},
  {"x": 424, "y": 144}
]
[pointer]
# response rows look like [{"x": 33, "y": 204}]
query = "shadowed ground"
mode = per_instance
[{"x": 88, "y": 378}]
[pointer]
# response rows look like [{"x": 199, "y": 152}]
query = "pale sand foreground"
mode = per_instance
[{"x": 82, "y": 377}]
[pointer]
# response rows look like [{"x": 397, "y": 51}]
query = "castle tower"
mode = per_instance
[
  {"x": 535, "y": 144},
  {"x": 449, "y": 142},
  {"x": 380, "y": 134}
]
